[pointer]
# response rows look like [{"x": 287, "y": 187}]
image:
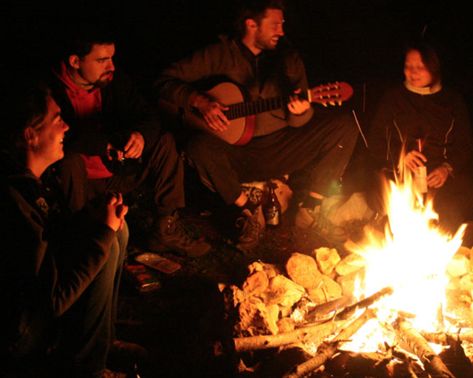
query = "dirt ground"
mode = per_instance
[{"x": 182, "y": 320}]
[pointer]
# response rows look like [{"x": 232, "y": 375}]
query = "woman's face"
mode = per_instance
[
  {"x": 415, "y": 72},
  {"x": 48, "y": 136}
]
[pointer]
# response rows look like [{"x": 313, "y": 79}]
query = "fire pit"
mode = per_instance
[{"x": 395, "y": 304}]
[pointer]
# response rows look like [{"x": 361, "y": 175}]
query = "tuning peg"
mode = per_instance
[
  {"x": 332, "y": 103},
  {"x": 339, "y": 103}
]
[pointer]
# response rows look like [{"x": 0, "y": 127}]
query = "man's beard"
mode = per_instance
[
  {"x": 104, "y": 80},
  {"x": 267, "y": 44}
]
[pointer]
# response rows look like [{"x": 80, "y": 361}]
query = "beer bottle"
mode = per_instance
[
  {"x": 420, "y": 177},
  {"x": 272, "y": 207}
]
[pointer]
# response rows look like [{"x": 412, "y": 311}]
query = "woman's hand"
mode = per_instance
[
  {"x": 414, "y": 159},
  {"x": 436, "y": 179},
  {"x": 110, "y": 210}
]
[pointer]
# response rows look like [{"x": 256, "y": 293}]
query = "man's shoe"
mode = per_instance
[
  {"x": 251, "y": 226},
  {"x": 170, "y": 234}
]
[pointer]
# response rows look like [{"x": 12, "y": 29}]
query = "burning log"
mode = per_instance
[
  {"x": 327, "y": 350},
  {"x": 409, "y": 366},
  {"x": 454, "y": 356},
  {"x": 443, "y": 338},
  {"x": 350, "y": 310},
  {"x": 370, "y": 364},
  {"x": 315, "y": 333},
  {"x": 411, "y": 340},
  {"x": 321, "y": 310}
]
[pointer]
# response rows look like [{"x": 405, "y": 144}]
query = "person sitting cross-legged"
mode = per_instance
[{"x": 115, "y": 140}]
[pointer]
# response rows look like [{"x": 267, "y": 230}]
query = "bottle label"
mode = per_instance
[
  {"x": 420, "y": 179},
  {"x": 272, "y": 216}
]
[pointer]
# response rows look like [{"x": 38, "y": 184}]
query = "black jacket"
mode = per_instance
[
  {"x": 124, "y": 109},
  {"x": 441, "y": 120},
  {"x": 48, "y": 259}
]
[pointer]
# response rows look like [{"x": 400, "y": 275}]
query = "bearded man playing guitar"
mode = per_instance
[{"x": 281, "y": 132}]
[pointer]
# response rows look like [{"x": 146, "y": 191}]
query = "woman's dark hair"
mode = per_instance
[
  {"x": 25, "y": 106},
  {"x": 429, "y": 56},
  {"x": 253, "y": 9}
]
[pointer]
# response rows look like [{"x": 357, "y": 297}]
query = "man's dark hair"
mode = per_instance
[
  {"x": 253, "y": 9},
  {"x": 85, "y": 35}
]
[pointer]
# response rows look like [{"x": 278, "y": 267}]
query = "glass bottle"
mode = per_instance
[
  {"x": 272, "y": 207},
  {"x": 420, "y": 174}
]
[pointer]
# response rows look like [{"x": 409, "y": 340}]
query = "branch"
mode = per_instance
[
  {"x": 327, "y": 350},
  {"x": 411, "y": 340}
]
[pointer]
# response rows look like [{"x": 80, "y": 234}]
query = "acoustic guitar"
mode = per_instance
[{"x": 241, "y": 113}]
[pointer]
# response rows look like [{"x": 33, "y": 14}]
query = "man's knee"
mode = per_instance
[
  {"x": 165, "y": 143},
  {"x": 201, "y": 149},
  {"x": 347, "y": 126}
]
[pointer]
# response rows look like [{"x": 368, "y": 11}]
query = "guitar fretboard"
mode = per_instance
[
  {"x": 326, "y": 94},
  {"x": 244, "y": 109}
]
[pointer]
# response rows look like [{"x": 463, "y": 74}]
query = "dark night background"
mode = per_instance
[
  {"x": 356, "y": 41},
  {"x": 346, "y": 40}
]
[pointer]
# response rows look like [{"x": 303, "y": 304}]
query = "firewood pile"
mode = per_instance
[{"x": 293, "y": 320}]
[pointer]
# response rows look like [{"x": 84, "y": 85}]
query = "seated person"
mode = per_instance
[
  {"x": 432, "y": 123},
  {"x": 57, "y": 270},
  {"x": 115, "y": 142},
  {"x": 293, "y": 138}
]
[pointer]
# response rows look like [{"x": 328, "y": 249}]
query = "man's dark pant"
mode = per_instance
[
  {"x": 161, "y": 169},
  {"x": 320, "y": 151}
]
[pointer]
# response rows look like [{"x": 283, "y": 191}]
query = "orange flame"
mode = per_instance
[{"x": 411, "y": 258}]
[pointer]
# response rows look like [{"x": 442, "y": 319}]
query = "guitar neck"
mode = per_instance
[{"x": 244, "y": 109}]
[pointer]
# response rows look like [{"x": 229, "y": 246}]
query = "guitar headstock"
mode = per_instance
[{"x": 331, "y": 94}]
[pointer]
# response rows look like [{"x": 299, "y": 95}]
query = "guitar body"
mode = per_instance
[
  {"x": 240, "y": 130},
  {"x": 242, "y": 115}
]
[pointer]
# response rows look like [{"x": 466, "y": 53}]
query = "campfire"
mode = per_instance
[{"x": 396, "y": 303}]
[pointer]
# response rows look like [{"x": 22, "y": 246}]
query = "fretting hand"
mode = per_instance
[{"x": 296, "y": 104}]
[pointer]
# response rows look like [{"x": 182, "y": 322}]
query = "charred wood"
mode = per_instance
[
  {"x": 320, "y": 311},
  {"x": 411, "y": 340},
  {"x": 328, "y": 350},
  {"x": 315, "y": 333},
  {"x": 350, "y": 310}
]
